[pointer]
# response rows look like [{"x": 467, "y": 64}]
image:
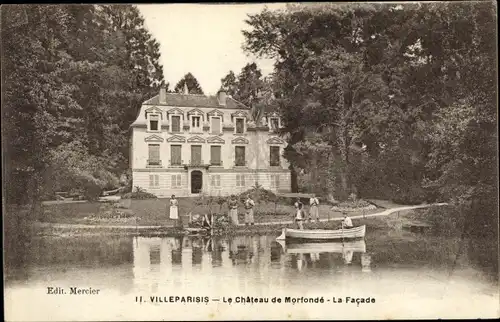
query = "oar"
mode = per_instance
[{"x": 342, "y": 225}]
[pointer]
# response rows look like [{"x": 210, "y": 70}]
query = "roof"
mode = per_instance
[{"x": 195, "y": 100}]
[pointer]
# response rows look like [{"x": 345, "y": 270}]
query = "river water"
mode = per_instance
[{"x": 400, "y": 274}]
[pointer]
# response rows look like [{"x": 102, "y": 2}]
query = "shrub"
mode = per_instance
[
  {"x": 259, "y": 194},
  {"x": 413, "y": 195},
  {"x": 139, "y": 193}
]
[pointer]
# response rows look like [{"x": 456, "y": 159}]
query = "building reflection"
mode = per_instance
[
  {"x": 172, "y": 261},
  {"x": 241, "y": 250},
  {"x": 176, "y": 250}
]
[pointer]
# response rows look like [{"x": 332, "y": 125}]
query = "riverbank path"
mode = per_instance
[{"x": 132, "y": 227}]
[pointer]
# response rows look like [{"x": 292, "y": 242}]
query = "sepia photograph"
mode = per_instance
[{"x": 250, "y": 161}]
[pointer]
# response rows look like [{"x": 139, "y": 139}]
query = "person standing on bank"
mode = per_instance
[
  {"x": 313, "y": 208},
  {"x": 297, "y": 203},
  {"x": 233, "y": 209},
  {"x": 299, "y": 216},
  {"x": 174, "y": 210},
  {"x": 249, "y": 204}
]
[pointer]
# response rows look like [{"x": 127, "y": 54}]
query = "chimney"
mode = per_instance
[
  {"x": 163, "y": 94},
  {"x": 221, "y": 97},
  {"x": 186, "y": 89}
]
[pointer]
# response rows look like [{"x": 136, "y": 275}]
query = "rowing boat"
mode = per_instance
[
  {"x": 356, "y": 246},
  {"x": 322, "y": 234}
]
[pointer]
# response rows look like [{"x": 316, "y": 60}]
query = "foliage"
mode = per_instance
[
  {"x": 139, "y": 193},
  {"x": 381, "y": 97},
  {"x": 192, "y": 85},
  {"x": 258, "y": 194},
  {"x": 356, "y": 205},
  {"x": 252, "y": 89},
  {"x": 74, "y": 77},
  {"x": 74, "y": 168}
]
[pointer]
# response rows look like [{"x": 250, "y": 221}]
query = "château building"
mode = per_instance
[{"x": 187, "y": 144}]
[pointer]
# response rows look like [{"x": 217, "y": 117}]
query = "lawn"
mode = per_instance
[{"x": 155, "y": 212}]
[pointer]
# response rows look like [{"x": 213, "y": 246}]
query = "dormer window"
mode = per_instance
[
  {"x": 240, "y": 125},
  {"x": 195, "y": 123},
  {"x": 274, "y": 123},
  {"x": 154, "y": 122},
  {"x": 215, "y": 125}
]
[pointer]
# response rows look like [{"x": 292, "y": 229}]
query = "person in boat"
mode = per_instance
[
  {"x": 249, "y": 204},
  {"x": 346, "y": 221},
  {"x": 299, "y": 216},
  {"x": 313, "y": 208},
  {"x": 233, "y": 209}
]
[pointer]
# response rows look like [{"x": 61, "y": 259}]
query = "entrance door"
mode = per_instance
[{"x": 196, "y": 181}]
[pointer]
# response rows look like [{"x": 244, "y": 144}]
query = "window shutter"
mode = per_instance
[
  {"x": 175, "y": 157},
  {"x": 240, "y": 155},
  {"x": 215, "y": 154},
  {"x": 154, "y": 152},
  {"x": 157, "y": 180},
  {"x": 274, "y": 157},
  {"x": 151, "y": 180},
  {"x": 196, "y": 154}
]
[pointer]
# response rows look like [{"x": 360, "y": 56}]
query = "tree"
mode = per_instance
[
  {"x": 413, "y": 65},
  {"x": 192, "y": 84},
  {"x": 71, "y": 73},
  {"x": 229, "y": 83}
]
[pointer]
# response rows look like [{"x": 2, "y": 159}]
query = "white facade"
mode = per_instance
[{"x": 201, "y": 128}]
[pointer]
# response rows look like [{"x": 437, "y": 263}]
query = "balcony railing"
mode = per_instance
[
  {"x": 216, "y": 163},
  {"x": 154, "y": 162},
  {"x": 240, "y": 163},
  {"x": 175, "y": 163},
  {"x": 274, "y": 163},
  {"x": 196, "y": 162}
]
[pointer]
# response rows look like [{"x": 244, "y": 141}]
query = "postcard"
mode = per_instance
[{"x": 267, "y": 161}]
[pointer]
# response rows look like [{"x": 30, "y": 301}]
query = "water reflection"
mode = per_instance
[
  {"x": 309, "y": 254},
  {"x": 366, "y": 261}
]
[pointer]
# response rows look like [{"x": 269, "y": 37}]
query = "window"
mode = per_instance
[
  {"x": 215, "y": 181},
  {"x": 154, "y": 154},
  {"x": 196, "y": 154},
  {"x": 175, "y": 155},
  {"x": 154, "y": 122},
  {"x": 154, "y": 180},
  {"x": 215, "y": 124},
  {"x": 239, "y": 154},
  {"x": 274, "y": 156},
  {"x": 240, "y": 125},
  {"x": 274, "y": 123},
  {"x": 195, "y": 123},
  {"x": 176, "y": 124},
  {"x": 215, "y": 155},
  {"x": 275, "y": 181},
  {"x": 176, "y": 181},
  {"x": 240, "y": 180}
]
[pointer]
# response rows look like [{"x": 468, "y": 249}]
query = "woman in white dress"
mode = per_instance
[{"x": 174, "y": 210}]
